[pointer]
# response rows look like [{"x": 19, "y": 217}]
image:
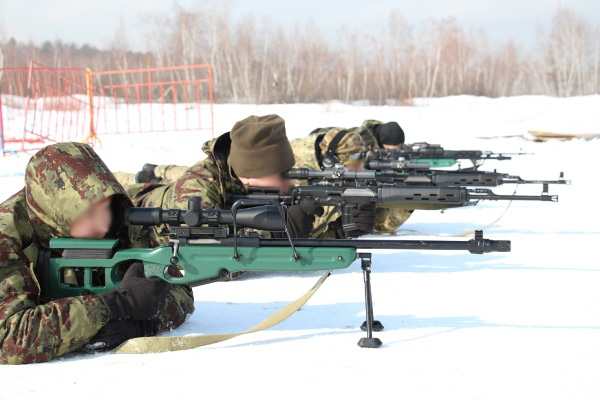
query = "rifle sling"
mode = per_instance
[{"x": 161, "y": 344}]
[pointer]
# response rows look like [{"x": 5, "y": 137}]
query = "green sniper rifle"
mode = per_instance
[
  {"x": 436, "y": 156},
  {"x": 209, "y": 245},
  {"x": 346, "y": 189}
]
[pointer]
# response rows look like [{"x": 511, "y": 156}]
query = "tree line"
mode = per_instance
[{"x": 395, "y": 62}]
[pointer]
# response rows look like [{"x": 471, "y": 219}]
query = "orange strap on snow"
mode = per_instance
[{"x": 161, "y": 344}]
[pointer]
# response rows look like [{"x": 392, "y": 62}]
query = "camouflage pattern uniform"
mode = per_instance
[
  {"x": 390, "y": 219},
  {"x": 308, "y": 152},
  {"x": 125, "y": 178},
  {"x": 61, "y": 182},
  {"x": 166, "y": 173},
  {"x": 366, "y": 133},
  {"x": 169, "y": 173}
]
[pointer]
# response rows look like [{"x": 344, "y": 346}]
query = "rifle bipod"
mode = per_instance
[{"x": 370, "y": 324}]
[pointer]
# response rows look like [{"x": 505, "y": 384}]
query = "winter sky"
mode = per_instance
[{"x": 95, "y": 21}]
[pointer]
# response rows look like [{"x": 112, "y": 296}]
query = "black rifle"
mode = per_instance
[
  {"x": 411, "y": 173},
  {"x": 426, "y": 152},
  {"x": 346, "y": 189}
]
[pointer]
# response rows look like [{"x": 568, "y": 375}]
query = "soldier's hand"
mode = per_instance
[
  {"x": 136, "y": 298},
  {"x": 116, "y": 332},
  {"x": 363, "y": 217},
  {"x": 301, "y": 217}
]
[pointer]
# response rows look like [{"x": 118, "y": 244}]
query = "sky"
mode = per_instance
[{"x": 95, "y": 22}]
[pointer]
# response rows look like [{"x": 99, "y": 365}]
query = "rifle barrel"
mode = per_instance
[{"x": 477, "y": 245}]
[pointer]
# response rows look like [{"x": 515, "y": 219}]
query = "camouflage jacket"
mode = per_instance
[
  {"x": 306, "y": 150},
  {"x": 166, "y": 174},
  {"x": 211, "y": 178},
  {"x": 366, "y": 133},
  {"x": 61, "y": 182}
]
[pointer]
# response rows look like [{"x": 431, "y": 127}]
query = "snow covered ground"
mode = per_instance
[{"x": 521, "y": 325}]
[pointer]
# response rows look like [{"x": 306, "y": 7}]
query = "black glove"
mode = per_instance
[
  {"x": 363, "y": 217},
  {"x": 301, "y": 217},
  {"x": 116, "y": 332},
  {"x": 136, "y": 298}
]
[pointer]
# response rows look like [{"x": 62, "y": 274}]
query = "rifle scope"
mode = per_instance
[{"x": 266, "y": 218}]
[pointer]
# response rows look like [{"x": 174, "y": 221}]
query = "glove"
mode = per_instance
[
  {"x": 363, "y": 217},
  {"x": 136, "y": 298},
  {"x": 116, "y": 332},
  {"x": 301, "y": 217}
]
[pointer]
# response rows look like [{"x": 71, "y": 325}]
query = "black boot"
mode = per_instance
[{"x": 146, "y": 175}]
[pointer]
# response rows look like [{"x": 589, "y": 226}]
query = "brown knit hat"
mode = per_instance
[{"x": 260, "y": 147}]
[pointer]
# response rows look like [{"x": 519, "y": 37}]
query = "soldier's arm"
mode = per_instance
[
  {"x": 30, "y": 332},
  {"x": 170, "y": 173},
  {"x": 200, "y": 180}
]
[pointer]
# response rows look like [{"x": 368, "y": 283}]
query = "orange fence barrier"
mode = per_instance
[
  {"x": 13, "y": 96},
  {"x": 154, "y": 99},
  {"x": 58, "y": 107},
  {"x": 41, "y": 105}
]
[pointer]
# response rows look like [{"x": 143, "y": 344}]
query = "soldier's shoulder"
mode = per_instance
[
  {"x": 15, "y": 225},
  {"x": 13, "y": 210},
  {"x": 207, "y": 169},
  {"x": 370, "y": 123}
]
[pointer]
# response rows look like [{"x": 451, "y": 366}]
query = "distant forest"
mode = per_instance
[{"x": 395, "y": 62}]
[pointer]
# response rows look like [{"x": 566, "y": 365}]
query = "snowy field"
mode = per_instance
[{"x": 519, "y": 325}]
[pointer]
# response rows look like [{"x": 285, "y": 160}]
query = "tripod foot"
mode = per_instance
[{"x": 369, "y": 343}]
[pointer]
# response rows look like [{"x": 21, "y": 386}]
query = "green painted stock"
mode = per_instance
[
  {"x": 70, "y": 243},
  {"x": 436, "y": 162},
  {"x": 199, "y": 262}
]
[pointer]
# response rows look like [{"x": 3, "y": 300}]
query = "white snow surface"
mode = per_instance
[{"x": 519, "y": 325}]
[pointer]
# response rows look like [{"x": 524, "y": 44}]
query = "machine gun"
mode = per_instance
[
  {"x": 209, "y": 245},
  {"x": 437, "y": 157},
  {"x": 345, "y": 189}
]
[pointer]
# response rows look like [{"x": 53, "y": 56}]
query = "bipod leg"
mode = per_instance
[{"x": 369, "y": 341}]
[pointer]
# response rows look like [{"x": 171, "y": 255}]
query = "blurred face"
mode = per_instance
[
  {"x": 355, "y": 166},
  {"x": 94, "y": 223},
  {"x": 271, "y": 181},
  {"x": 391, "y": 146}
]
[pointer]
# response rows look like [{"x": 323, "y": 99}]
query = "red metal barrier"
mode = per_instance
[
  {"x": 41, "y": 105},
  {"x": 58, "y": 108},
  {"x": 154, "y": 99},
  {"x": 13, "y": 99}
]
